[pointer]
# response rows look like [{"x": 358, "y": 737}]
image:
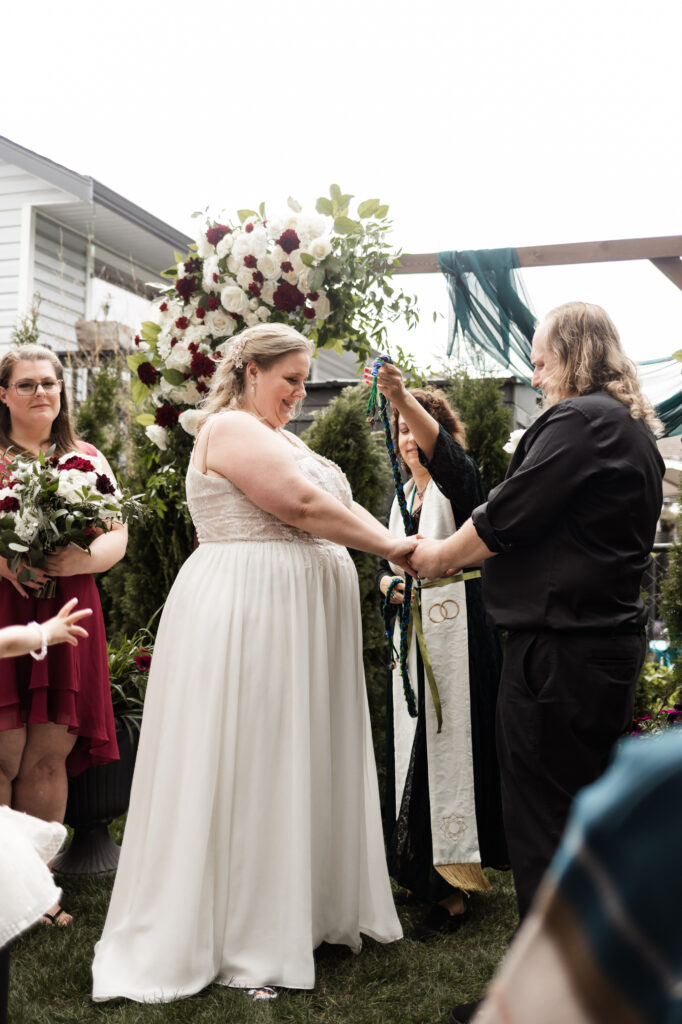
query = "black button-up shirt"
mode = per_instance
[{"x": 573, "y": 521}]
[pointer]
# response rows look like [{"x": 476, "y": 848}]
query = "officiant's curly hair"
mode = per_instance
[
  {"x": 263, "y": 345},
  {"x": 62, "y": 434},
  {"x": 437, "y": 406},
  {"x": 591, "y": 358}
]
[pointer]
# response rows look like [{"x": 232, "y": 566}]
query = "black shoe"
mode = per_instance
[
  {"x": 464, "y": 1012},
  {"x": 438, "y": 921}
]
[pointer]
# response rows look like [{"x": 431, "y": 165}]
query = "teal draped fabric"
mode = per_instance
[
  {"x": 490, "y": 307},
  {"x": 492, "y": 314}
]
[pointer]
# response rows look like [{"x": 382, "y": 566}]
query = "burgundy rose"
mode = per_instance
[
  {"x": 289, "y": 240},
  {"x": 216, "y": 279},
  {"x": 185, "y": 287},
  {"x": 105, "y": 484},
  {"x": 201, "y": 387},
  {"x": 193, "y": 265},
  {"x": 163, "y": 307},
  {"x": 287, "y": 297},
  {"x": 313, "y": 296},
  {"x": 143, "y": 660},
  {"x": 181, "y": 323},
  {"x": 9, "y": 504},
  {"x": 250, "y": 261},
  {"x": 248, "y": 228},
  {"x": 217, "y": 232},
  {"x": 254, "y": 290},
  {"x": 309, "y": 313},
  {"x": 193, "y": 346},
  {"x": 200, "y": 312},
  {"x": 258, "y": 277},
  {"x": 174, "y": 342},
  {"x": 287, "y": 267},
  {"x": 166, "y": 416},
  {"x": 202, "y": 365},
  {"x": 148, "y": 374},
  {"x": 76, "y": 462},
  {"x": 138, "y": 339},
  {"x": 213, "y": 302}
]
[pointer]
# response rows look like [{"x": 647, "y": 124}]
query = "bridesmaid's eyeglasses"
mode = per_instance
[{"x": 28, "y": 388}]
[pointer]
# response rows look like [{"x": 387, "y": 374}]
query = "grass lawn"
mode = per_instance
[{"x": 404, "y": 981}]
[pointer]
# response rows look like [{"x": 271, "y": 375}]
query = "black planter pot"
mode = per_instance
[{"x": 96, "y": 797}]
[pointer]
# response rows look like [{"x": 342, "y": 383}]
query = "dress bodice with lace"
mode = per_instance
[{"x": 222, "y": 513}]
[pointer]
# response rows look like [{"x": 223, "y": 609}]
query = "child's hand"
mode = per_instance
[{"x": 62, "y": 628}]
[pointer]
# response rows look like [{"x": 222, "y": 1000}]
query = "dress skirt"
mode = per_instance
[
  {"x": 71, "y": 686},
  {"x": 254, "y": 831}
]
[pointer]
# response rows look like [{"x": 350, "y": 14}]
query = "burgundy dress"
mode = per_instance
[{"x": 71, "y": 686}]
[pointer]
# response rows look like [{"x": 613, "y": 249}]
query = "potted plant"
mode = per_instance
[{"x": 101, "y": 793}]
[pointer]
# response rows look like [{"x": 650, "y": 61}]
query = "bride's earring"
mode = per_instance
[{"x": 253, "y": 389}]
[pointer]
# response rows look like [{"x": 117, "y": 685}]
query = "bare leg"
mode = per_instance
[
  {"x": 41, "y": 786},
  {"x": 12, "y": 743}
]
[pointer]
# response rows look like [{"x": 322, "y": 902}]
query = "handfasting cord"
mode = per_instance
[{"x": 377, "y": 404}]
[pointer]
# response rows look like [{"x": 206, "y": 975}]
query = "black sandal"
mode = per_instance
[{"x": 52, "y": 919}]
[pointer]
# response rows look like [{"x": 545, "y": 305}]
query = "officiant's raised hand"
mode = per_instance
[{"x": 389, "y": 381}]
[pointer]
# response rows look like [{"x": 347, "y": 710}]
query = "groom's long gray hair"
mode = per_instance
[{"x": 262, "y": 345}]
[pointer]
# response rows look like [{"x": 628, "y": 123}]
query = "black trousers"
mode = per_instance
[{"x": 564, "y": 700}]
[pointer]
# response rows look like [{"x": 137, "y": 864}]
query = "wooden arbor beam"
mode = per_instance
[{"x": 664, "y": 253}]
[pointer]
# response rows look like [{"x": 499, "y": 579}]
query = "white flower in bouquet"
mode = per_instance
[
  {"x": 512, "y": 444},
  {"x": 233, "y": 264},
  {"x": 26, "y": 525},
  {"x": 181, "y": 270},
  {"x": 270, "y": 266},
  {"x": 234, "y": 300},
  {"x": 251, "y": 319},
  {"x": 210, "y": 268},
  {"x": 321, "y": 307},
  {"x": 319, "y": 248},
  {"x": 224, "y": 246},
  {"x": 290, "y": 276},
  {"x": 163, "y": 344},
  {"x": 189, "y": 421},
  {"x": 204, "y": 247},
  {"x": 263, "y": 313},
  {"x": 267, "y": 292},
  {"x": 308, "y": 227},
  {"x": 196, "y": 334},
  {"x": 296, "y": 262},
  {"x": 159, "y": 435},
  {"x": 244, "y": 278},
  {"x": 219, "y": 323},
  {"x": 190, "y": 394},
  {"x": 303, "y": 281},
  {"x": 180, "y": 358}
]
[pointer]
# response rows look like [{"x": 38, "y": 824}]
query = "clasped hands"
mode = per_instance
[{"x": 420, "y": 557}]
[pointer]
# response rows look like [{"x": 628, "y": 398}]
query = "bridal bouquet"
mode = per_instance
[
  {"x": 51, "y": 501},
  {"x": 326, "y": 273}
]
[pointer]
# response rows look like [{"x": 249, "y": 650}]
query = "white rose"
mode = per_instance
[
  {"x": 253, "y": 303},
  {"x": 269, "y": 266},
  {"x": 189, "y": 421},
  {"x": 319, "y": 248},
  {"x": 512, "y": 444},
  {"x": 163, "y": 344},
  {"x": 241, "y": 247},
  {"x": 309, "y": 226},
  {"x": 189, "y": 394},
  {"x": 322, "y": 307},
  {"x": 204, "y": 247},
  {"x": 210, "y": 268},
  {"x": 296, "y": 262},
  {"x": 196, "y": 333},
  {"x": 180, "y": 270},
  {"x": 263, "y": 313},
  {"x": 224, "y": 245},
  {"x": 220, "y": 324},
  {"x": 233, "y": 264},
  {"x": 179, "y": 358},
  {"x": 159, "y": 435},
  {"x": 244, "y": 278},
  {"x": 267, "y": 292},
  {"x": 303, "y": 281},
  {"x": 234, "y": 300},
  {"x": 251, "y": 319},
  {"x": 72, "y": 481}
]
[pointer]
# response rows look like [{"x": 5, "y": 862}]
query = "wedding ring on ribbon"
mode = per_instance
[{"x": 444, "y": 581}]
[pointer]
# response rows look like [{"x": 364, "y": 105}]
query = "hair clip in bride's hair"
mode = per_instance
[{"x": 236, "y": 350}]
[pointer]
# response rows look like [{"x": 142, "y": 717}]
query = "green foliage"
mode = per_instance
[
  {"x": 658, "y": 694},
  {"x": 103, "y": 418},
  {"x": 136, "y": 588},
  {"x": 128, "y": 671},
  {"x": 478, "y": 400},
  {"x": 341, "y": 433},
  {"x": 671, "y": 601},
  {"x": 26, "y": 332}
]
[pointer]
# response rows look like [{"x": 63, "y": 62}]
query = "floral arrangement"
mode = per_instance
[
  {"x": 129, "y": 663},
  {"x": 51, "y": 501},
  {"x": 327, "y": 274},
  {"x": 658, "y": 699}
]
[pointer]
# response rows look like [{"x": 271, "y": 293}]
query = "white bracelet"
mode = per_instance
[{"x": 43, "y": 642}]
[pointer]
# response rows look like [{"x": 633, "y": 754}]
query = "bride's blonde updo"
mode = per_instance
[{"x": 262, "y": 345}]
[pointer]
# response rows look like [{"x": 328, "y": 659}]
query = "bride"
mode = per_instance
[{"x": 254, "y": 830}]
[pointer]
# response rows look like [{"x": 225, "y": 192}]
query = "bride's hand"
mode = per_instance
[{"x": 400, "y": 550}]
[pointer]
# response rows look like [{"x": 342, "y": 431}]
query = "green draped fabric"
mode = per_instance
[
  {"x": 491, "y": 309},
  {"x": 493, "y": 315}
]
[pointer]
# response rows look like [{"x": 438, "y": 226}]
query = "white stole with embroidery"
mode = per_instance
[{"x": 449, "y": 753}]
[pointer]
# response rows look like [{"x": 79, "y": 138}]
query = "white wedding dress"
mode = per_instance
[{"x": 254, "y": 829}]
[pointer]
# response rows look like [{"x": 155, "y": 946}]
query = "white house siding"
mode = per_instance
[
  {"x": 60, "y": 278},
  {"x": 18, "y": 191}
]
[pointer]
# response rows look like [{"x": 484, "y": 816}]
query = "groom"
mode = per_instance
[{"x": 565, "y": 539}]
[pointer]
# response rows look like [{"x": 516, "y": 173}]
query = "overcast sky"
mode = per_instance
[{"x": 482, "y": 124}]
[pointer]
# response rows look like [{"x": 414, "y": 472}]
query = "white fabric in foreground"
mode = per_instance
[{"x": 26, "y": 885}]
